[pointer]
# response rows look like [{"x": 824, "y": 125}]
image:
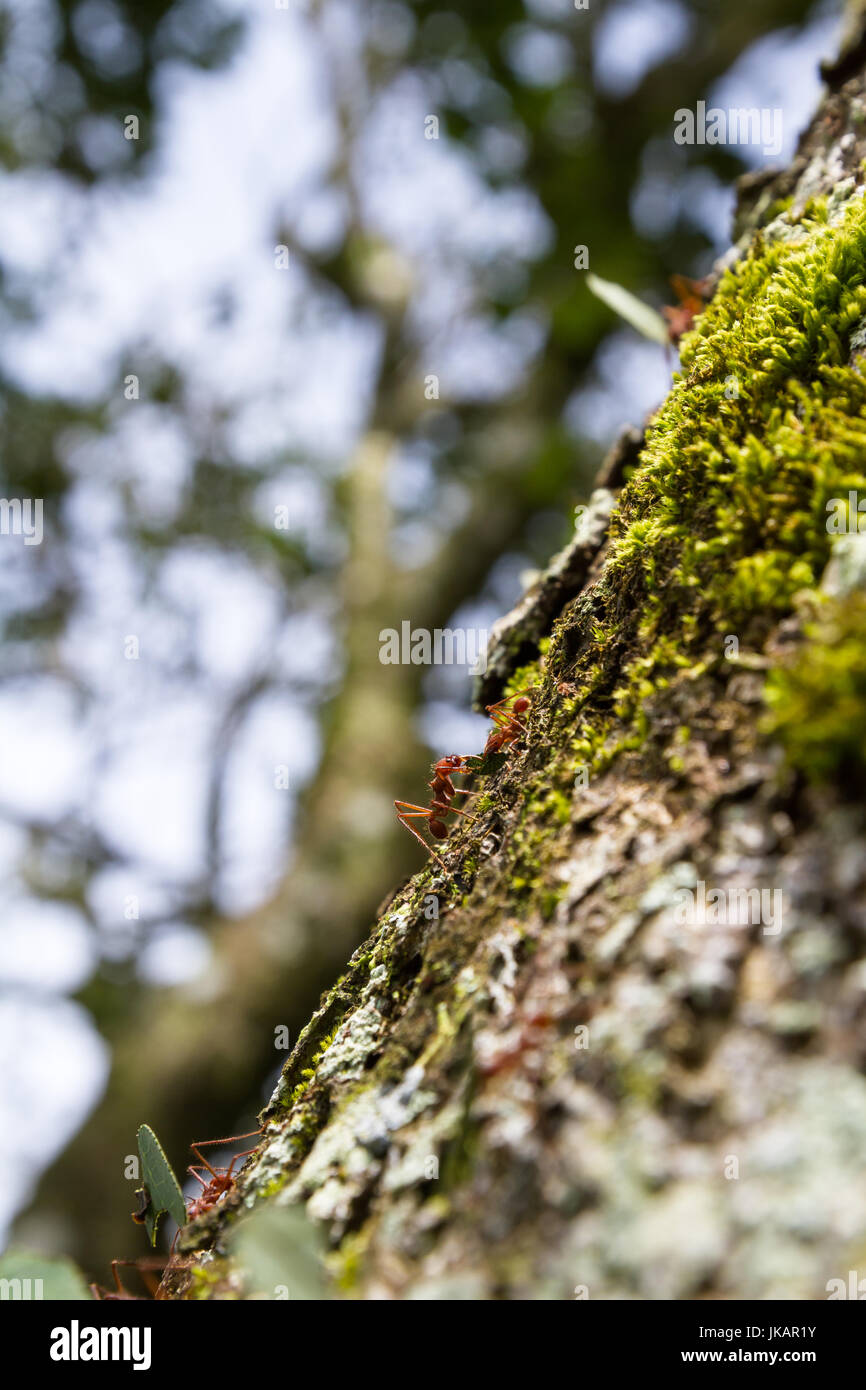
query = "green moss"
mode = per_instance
[
  {"x": 457, "y": 1160},
  {"x": 722, "y": 524},
  {"x": 759, "y": 430},
  {"x": 550, "y": 897},
  {"x": 346, "y": 1264},
  {"x": 322, "y": 1049},
  {"x": 723, "y": 521},
  {"x": 523, "y": 678},
  {"x": 817, "y": 703},
  {"x": 640, "y": 1080},
  {"x": 270, "y": 1189},
  {"x": 203, "y": 1280},
  {"x": 559, "y": 805}
]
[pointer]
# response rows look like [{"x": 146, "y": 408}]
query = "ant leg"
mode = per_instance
[
  {"x": 527, "y": 690},
  {"x": 402, "y": 818},
  {"x": 412, "y": 812},
  {"x": 246, "y": 1153},
  {"x": 231, "y": 1139},
  {"x": 405, "y": 816},
  {"x": 508, "y": 720},
  {"x": 501, "y": 711},
  {"x": 513, "y": 726},
  {"x": 508, "y": 727},
  {"x": 500, "y": 708},
  {"x": 202, "y": 1162},
  {"x": 493, "y": 710},
  {"x": 144, "y": 1267},
  {"x": 195, "y": 1173},
  {"x": 150, "y": 1281},
  {"x": 445, "y": 807}
]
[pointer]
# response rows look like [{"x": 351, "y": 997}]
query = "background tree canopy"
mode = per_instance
[{"x": 304, "y": 359}]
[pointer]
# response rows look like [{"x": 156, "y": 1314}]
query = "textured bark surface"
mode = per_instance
[{"x": 535, "y": 1077}]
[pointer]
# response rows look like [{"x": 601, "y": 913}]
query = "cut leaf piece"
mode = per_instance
[
  {"x": 630, "y": 308},
  {"x": 159, "y": 1179}
]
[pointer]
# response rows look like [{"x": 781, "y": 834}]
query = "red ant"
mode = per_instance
[
  {"x": 506, "y": 716},
  {"x": 692, "y": 296},
  {"x": 444, "y": 792},
  {"x": 220, "y": 1182}
]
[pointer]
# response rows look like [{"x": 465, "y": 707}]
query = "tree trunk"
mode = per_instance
[{"x": 617, "y": 1050}]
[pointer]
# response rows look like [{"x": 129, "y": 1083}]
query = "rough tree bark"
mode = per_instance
[{"x": 587, "y": 1071}]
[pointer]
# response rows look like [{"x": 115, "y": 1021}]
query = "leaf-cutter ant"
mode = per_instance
[
  {"x": 444, "y": 792},
  {"x": 506, "y": 715},
  {"x": 509, "y": 725},
  {"x": 220, "y": 1179}
]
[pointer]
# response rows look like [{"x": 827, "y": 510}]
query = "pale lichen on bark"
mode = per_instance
[{"x": 554, "y": 1083}]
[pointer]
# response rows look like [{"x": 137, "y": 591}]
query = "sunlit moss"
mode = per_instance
[
  {"x": 817, "y": 702},
  {"x": 723, "y": 521}
]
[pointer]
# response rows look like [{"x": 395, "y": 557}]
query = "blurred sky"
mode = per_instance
[{"x": 138, "y": 271}]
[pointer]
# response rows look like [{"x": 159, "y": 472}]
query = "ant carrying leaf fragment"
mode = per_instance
[
  {"x": 635, "y": 312},
  {"x": 666, "y": 328},
  {"x": 220, "y": 1181},
  {"x": 158, "y": 1183}
]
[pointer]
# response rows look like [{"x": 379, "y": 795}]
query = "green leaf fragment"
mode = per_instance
[
  {"x": 492, "y": 763},
  {"x": 159, "y": 1179},
  {"x": 630, "y": 308}
]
